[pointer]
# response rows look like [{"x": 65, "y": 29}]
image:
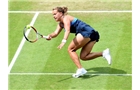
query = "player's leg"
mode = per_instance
[
  {"x": 78, "y": 42},
  {"x": 86, "y": 53}
]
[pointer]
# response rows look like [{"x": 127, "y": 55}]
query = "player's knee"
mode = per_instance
[
  {"x": 83, "y": 57},
  {"x": 71, "y": 50}
]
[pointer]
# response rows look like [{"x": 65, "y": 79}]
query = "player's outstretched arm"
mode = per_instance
[{"x": 55, "y": 33}]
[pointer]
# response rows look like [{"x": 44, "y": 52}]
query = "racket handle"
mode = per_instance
[{"x": 47, "y": 37}]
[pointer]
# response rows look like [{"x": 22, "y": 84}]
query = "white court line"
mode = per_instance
[
  {"x": 100, "y": 74},
  {"x": 80, "y": 11},
  {"x": 21, "y": 44}
]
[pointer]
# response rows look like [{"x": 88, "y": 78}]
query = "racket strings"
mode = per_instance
[{"x": 31, "y": 35}]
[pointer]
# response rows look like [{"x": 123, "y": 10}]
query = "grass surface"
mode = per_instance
[
  {"x": 43, "y": 56},
  {"x": 72, "y": 5}
]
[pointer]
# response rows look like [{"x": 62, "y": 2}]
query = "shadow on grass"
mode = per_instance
[
  {"x": 65, "y": 79},
  {"x": 98, "y": 71},
  {"x": 106, "y": 70}
]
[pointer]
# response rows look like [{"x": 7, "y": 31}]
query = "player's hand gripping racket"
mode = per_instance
[{"x": 31, "y": 34}]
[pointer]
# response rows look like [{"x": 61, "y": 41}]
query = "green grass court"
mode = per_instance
[{"x": 41, "y": 66}]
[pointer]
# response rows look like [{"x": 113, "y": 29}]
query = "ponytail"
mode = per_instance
[
  {"x": 61, "y": 9},
  {"x": 65, "y": 9}
]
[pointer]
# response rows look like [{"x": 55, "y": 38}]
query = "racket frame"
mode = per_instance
[{"x": 24, "y": 32}]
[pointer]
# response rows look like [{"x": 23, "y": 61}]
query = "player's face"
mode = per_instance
[{"x": 57, "y": 15}]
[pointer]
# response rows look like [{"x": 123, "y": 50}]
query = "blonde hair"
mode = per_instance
[{"x": 61, "y": 9}]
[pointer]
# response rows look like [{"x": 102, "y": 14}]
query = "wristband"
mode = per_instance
[{"x": 64, "y": 41}]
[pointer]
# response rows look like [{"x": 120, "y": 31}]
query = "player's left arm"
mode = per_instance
[{"x": 66, "y": 22}]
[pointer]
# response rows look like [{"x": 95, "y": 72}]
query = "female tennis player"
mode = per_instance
[{"x": 85, "y": 38}]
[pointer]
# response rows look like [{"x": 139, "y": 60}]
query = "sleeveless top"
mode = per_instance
[{"x": 78, "y": 26}]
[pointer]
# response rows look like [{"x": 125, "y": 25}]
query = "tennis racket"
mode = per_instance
[{"x": 31, "y": 34}]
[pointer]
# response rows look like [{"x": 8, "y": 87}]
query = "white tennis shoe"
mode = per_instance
[
  {"x": 107, "y": 56},
  {"x": 79, "y": 72}
]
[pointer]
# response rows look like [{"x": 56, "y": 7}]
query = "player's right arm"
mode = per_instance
[{"x": 55, "y": 33}]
